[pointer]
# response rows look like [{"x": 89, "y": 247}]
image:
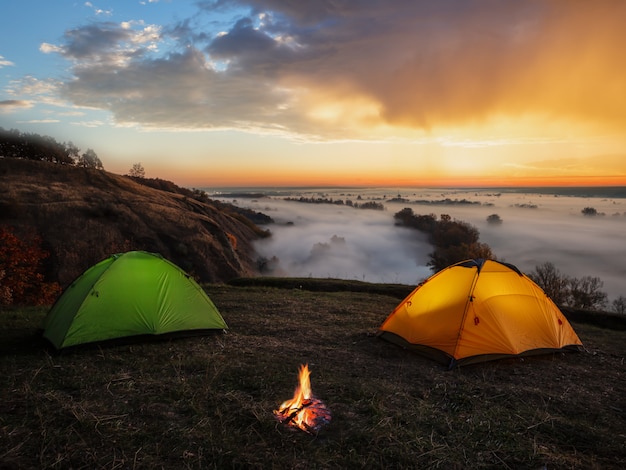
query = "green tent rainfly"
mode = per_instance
[{"x": 130, "y": 294}]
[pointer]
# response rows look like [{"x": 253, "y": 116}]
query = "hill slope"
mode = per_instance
[{"x": 84, "y": 215}]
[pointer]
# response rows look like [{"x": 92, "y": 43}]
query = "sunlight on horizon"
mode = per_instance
[{"x": 270, "y": 93}]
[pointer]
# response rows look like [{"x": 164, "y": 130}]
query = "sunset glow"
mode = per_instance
[{"x": 268, "y": 93}]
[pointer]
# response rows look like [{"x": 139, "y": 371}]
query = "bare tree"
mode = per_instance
[
  {"x": 619, "y": 305},
  {"x": 553, "y": 283},
  {"x": 137, "y": 171},
  {"x": 585, "y": 293}
]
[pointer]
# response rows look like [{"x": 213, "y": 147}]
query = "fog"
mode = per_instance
[
  {"x": 323, "y": 240},
  {"x": 333, "y": 241}
]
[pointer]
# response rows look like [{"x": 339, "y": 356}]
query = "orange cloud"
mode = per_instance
[{"x": 557, "y": 59}]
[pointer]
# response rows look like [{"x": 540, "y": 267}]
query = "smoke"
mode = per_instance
[{"x": 339, "y": 241}]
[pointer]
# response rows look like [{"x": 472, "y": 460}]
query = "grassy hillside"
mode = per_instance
[
  {"x": 207, "y": 402},
  {"x": 84, "y": 215}
]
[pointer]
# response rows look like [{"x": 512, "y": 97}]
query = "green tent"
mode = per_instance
[{"x": 129, "y": 294}]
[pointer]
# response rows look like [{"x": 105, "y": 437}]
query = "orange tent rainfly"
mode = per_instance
[{"x": 479, "y": 310}]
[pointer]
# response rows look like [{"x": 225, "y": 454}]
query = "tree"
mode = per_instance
[
  {"x": 454, "y": 240},
  {"x": 90, "y": 159},
  {"x": 267, "y": 265},
  {"x": 20, "y": 262},
  {"x": 15, "y": 144},
  {"x": 619, "y": 305},
  {"x": 73, "y": 152},
  {"x": 137, "y": 171},
  {"x": 423, "y": 223},
  {"x": 494, "y": 219},
  {"x": 584, "y": 293},
  {"x": 589, "y": 211},
  {"x": 443, "y": 257},
  {"x": 553, "y": 283},
  {"x": 450, "y": 232}
]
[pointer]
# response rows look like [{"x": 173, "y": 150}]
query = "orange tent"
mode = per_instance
[{"x": 479, "y": 310}]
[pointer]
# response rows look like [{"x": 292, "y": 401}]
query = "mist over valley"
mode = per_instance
[{"x": 337, "y": 240}]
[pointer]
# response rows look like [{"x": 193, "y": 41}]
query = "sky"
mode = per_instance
[{"x": 217, "y": 93}]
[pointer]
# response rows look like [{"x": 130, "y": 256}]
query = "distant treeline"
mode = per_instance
[
  {"x": 453, "y": 202},
  {"x": 443, "y": 202},
  {"x": 30, "y": 146},
  {"x": 526, "y": 206},
  {"x": 454, "y": 240},
  {"x": 575, "y": 191},
  {"x": 339, "y": 202}
]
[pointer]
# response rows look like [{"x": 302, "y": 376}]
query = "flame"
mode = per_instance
[{"x": 304, "y": 411}]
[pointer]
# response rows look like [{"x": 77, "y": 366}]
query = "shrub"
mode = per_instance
[
  {"x": 20, "y": 261},
  {"x": 494, "y": 219},
  {"x": 589, "y": 211},
  {"x": 583, "y": 293},
  {"x": 232, "y": 240}
]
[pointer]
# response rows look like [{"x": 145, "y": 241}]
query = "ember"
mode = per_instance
[{"x": 304, "y": 411}]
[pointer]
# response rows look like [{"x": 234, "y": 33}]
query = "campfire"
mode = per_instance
[{"x": 304, "y": 411}]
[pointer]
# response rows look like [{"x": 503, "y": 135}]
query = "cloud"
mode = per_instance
[
  {"x": 7, "y": 106},
  {"x": 107, "y": 44},
  {"x": 170, "y": 97},
  {"x": 5, "y": 63},
  {"x": 98, "y": 11},
  {"x": 39, "y": 121},
  {"x": 91, "y": 124},
  {"x": 47, "y": 48},
  {"x": 33, "y": 91},
  {"x": 355, "y": 69},
  {"x": 242, "y": 41},
  {"x": 597, "y": 165}
]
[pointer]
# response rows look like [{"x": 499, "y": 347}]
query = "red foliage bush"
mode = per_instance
[{"x": 21, "y": 258}]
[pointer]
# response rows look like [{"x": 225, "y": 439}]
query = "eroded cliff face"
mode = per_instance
[{"x": 85, "y": 215}]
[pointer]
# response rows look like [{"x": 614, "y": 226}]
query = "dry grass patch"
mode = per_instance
[{"x": 208, "y": 402}]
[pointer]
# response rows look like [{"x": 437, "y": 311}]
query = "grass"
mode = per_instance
[{"x": 207, "y": 402}]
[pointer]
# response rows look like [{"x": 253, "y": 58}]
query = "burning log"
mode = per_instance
[{"x": 304, "y": 411}]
